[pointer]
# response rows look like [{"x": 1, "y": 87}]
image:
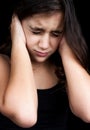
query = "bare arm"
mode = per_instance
[
  {"x": 78, "y": 81},
  {"x": 20, "y": 98}
]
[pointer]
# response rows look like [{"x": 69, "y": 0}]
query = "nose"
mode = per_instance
[{"x": 44, "y": 42}]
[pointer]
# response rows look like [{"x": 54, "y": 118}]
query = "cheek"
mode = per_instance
[
  {"x": 31, "y": 41},
  {"x": 55, "y": 45}
]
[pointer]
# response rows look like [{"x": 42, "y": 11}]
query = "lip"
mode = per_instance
[{"x": 41, "y": 54}]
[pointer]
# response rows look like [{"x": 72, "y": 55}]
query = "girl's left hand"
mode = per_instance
[
  {"x": 63, "y": 45},
  {"x": 64, "y": 49}
]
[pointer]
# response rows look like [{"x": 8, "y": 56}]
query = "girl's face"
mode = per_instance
[{"x": 43, "y": 33}]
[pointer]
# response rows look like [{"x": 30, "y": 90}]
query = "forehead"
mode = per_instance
[{"x": 53, "y": 20}]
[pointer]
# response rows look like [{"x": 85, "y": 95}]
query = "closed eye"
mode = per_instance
[
  {"x": 36, "y": 30},
  {"x": 56, "y": 33}
]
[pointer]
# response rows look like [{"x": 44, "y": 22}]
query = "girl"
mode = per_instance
[{"x": 47, "y": 69}]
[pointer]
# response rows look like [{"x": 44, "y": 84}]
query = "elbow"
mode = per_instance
[
  {"x": 21, "y": 117},
  {"x": 84, "y": 114},
  {"x": 25, "y": 120},
  {"x": 22, "y": 113}
]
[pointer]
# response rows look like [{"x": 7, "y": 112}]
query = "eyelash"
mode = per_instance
[
  {"x": 56, "y": 35},
  {"x": 36, "y": 32},
  {"x": 53, "y": 34}
]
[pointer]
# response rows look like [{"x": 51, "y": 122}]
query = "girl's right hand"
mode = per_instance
[{"x": 17, "y": 33}]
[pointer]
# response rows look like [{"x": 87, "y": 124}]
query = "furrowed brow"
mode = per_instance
[{"x": 36, "y": 28}]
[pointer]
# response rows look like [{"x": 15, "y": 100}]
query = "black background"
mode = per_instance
[{"x": 83, "y": 14}]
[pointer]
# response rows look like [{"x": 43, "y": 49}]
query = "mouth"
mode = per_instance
[{"x": 41, "y": 54}]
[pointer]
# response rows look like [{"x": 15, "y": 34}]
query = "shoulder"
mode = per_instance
[
  {"x": 4, "y": 75},
  {"x": 4, "y": 65},
  {"x": 4, "y": 60}
]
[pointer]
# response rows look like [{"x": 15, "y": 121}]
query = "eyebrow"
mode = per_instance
[{"x": 36, "y": 28}]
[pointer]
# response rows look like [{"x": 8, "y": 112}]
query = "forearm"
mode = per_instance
[
  {"x": 78, "y": 81},
  {"x": 20, "y": 97}
]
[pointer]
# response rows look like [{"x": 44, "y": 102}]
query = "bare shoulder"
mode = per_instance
[
  {"x": 4, "y": 60},
  {"x": 4, "y": 67},
  {"x": 4, "y": 76}
]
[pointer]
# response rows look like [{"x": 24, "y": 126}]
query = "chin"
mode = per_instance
[{"x": 40, "y": 60}]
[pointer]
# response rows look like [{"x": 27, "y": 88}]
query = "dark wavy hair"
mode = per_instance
[{"x": 72, "y": 30}]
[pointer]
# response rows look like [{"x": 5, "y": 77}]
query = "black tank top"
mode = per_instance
[{"x": 53, "y": 113}]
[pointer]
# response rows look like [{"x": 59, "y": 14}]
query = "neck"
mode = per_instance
[
  {"x": 45, "y": 76},
  {"x": 37, "y": 65}
]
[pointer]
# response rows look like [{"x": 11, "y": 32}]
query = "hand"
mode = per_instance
[
  {"x": 63, "y": 45},
  {"x": 17, "y": 33},
  {"x": 64, "y": 48}
]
